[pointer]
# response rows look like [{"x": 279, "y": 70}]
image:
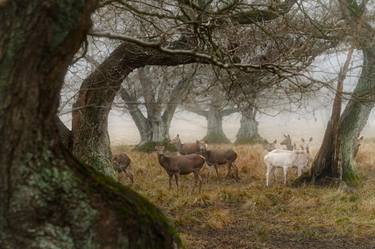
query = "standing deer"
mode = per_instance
[
  {"x": 270, "y": 146},
  {"x": 285, "y": 159},
  {"x": 218, "y": 158},
  {"x": 287, "y": 142},
  {"x": 186, "y": 148},
  {"x": 181, "y": 165},
  {"x": 121, "y": 163}
]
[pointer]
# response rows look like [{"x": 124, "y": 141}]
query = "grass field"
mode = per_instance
[{"x": 247, "y": 214}]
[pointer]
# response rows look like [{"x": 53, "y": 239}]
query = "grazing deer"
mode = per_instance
[
  {"x": 181, "y": 165},
  {"x": 121, "y": 163},
  {"x": 218, "y": 158},
  {"x": 186, "y": 148},
  {"x": 287, "y": 142}
]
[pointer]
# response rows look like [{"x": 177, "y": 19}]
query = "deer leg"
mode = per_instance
[
  {"x": 176, "y": 178},
  {"x": 130, "y": 176},
  {"x": 229, "y": 165},
  {"x": 208, "y": 175},
  {"x": 270, "y": 170},
  {"x": 195, "y": 181},
  {"x": 299, "y": 171},
  {"x": 170, "y": 181},
  {"x": 285, "y": 175},
  {"x": 200, "y": 182},
  {"x": 217, "y": 171},
  {"x": 119, "y": 177},
  {"x": 236, "y": 172}
]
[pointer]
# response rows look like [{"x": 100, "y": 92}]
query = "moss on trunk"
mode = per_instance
[{"x": 48, "y": 199}]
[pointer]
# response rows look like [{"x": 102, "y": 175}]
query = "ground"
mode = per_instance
[{"x": 247, "y": 214}]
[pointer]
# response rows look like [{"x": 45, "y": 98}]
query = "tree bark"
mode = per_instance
[
  {"x": 215, "y": 132},
  {"x": 155, "y": 127},
  {"x": 48, "y": 199},
  {"x": 89, "y": 125},
  {"x": 356, "y": 114},
  {"x": 91, "y": 142},
  {"x": 352, "y": 121},
  {"x": 65, "y": 134},
  {"x": 248, "y": 132}
]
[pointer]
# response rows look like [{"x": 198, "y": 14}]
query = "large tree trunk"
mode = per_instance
[
  {"x": 155, "y": 127},
  {"x": 89, "y": 126},
  {"x": 48, "y": 199},
  {"x": 248, "y": 132},
  {"x": 356, "y": 114},
  {"x": 215, "y": 132},
  {"x": 352, "y": 121}
]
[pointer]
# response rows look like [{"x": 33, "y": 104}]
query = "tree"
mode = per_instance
[
  {"x": 248, "y": 132},
  {"x": 357, "y": 111},
  {"x": 209, "y": 102},
  {"x": 161, "y": 94},
  {"x": 183, "y": 35},
  {"x": 48, "y": 199},
  {"x": 97, "y": 92}
]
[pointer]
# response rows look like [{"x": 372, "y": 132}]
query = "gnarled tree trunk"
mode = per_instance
[
  {"x": 155, "y": 126},
  {"x": 48, "y": 199},
  {"x": 90, "y": 120},
  {"x": 248, "y": 132},
  {"x": 356, "y": 114},
  {"x": 352, "y": 121},
  {"x": 215, "y": 132}
]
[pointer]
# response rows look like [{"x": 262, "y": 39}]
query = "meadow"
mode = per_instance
[{"x": 247, "y": 214}]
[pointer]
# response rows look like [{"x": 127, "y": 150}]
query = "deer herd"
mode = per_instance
[{"x": 191, "y": 158}]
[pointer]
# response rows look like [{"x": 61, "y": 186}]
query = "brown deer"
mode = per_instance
[
  {"x": 186, "y": 148},
  {"x": 121, "y": 163},
  {"x": 218, "y": 158},
  {"x": 181, "y": 165}
]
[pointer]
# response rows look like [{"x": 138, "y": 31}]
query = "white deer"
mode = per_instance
[{"x": 286, "y": 159}]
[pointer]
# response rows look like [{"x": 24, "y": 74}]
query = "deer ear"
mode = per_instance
[
  {"x": 285, "y": 135},
  {"x": 311, "y": 139},
  {"x": 303, "y": 140},
  {"x": 275, "y": 141}
]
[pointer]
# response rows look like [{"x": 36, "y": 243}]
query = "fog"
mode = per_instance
[
  {"x": 122, "y": 129},
  {"x": 310, "y": 121}
]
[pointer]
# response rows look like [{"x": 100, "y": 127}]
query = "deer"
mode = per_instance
[
  {"x": 218, "y": 158},
  {"x": 270, "y": 146},
  {"x": 121, "y": 163},
  {"x": 181, "y": 165},
  {"x": 186, "y": 148},
  {"x": 286, "y": 159},
  {"x": 288, "y": 142}
]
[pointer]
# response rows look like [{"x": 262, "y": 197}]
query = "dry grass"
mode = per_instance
[{"x": 248, "y": 215}]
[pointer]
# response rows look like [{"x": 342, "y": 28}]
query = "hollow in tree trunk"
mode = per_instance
[{"x": 48, "y": 199}]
